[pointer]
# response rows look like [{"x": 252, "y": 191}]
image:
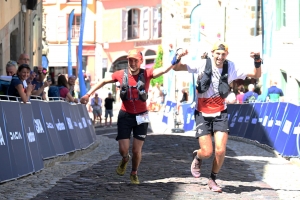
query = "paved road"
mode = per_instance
[{"x": 249, "y": 172}]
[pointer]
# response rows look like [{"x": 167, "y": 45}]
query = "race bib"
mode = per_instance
[{"x": 142, "y": 118}]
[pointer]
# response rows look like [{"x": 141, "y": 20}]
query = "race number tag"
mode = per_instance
[{"x": 142, "y": 118}]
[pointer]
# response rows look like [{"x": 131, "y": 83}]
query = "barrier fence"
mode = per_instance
[
  {"x": 39, "y": 130},
  {"x": 276, "y": 124}
]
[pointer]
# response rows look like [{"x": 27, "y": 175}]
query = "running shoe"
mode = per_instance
[
  {"x": 195, "y": 166},
  {"x": 122, "y": 166},
  {"x": 213, "y": 186},
  {"x": 134, "y": 179}
]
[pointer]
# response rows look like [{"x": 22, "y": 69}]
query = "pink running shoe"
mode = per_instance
[
  {"x": 195, "y": 166},
  {"x": 213, "y": 186}
]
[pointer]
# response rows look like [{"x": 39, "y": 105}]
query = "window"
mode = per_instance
[
  {"x": 133, "y": 24},
  {"x": 76, "y": 26},
  {"x": 280, "y": 14}
]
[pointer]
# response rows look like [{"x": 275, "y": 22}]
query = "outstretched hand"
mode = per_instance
[{"x": 84, "y": 99}]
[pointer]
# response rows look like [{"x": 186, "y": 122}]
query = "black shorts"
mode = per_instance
[
  {"x": 209, "y": 125},
  {"x": 127, "y": 124}
]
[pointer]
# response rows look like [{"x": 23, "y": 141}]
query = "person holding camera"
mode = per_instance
[
  {"x": 39, "y": 82},
  {"x": 211, "y": 110}
]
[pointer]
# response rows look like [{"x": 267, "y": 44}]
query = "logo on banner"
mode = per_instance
[
  {"x": 265, "y": 120},
  {"x": 278, "y": 123},
  {"x": 75, "y": 124},
  {"x": 15, "y": 135},
  {"x": 241, "y": 119},
  {"x": 271, "y": 122},
  {"x": 287, "y": 126},
  {"x": 38, "y": 126},
  {"x": 49, "y": 125},
  {"x": 70, "y": 125},
  {"x": 30, "y": 136},
  {"x": 254, "y": 121},
  {"x": 1, "y": 138},
  {"x": 247, "y": 118},
  {"x": 60, "y": 126},
  {"x": 84, "y": 122},
  {"x": 233, "y": 119},
  {"x": 80, "y": 125},
  {"x": 297, "y": 129}
]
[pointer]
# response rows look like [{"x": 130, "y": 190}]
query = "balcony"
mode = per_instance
[{"x": 75, "y": 32}]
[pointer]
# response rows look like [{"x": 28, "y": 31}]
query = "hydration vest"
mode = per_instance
[
  {"x": 140, "y": 86},
  {"x": 204, "y": 82}
]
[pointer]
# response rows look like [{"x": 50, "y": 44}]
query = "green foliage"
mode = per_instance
[{"x": 158, "y": 64}]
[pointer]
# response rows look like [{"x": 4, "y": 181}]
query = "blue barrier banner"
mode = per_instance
[
  {"x": 233, "y": 117},
  {"x": 20, "y": 149},
  {"x": 268, "y": 123},
  {"x": 188, "y": 117},
  {"x": 84, "y": 123},
  {"x": 30, "y": 136},
  {"x": 244, "y": 119},
  {"x": 291, "y": 121},
  {"x": 89, "y": 121},
  {"x": 50, "y": 129},
  {"x": 285, "y": 128},
  {"x": 82, "y": 132},
  {"x": 60, "y": 125},
  {"x": 254, "y": 118},
  {"x": 259, "y": 132},
  {"x": 69, "y": 125},
  {"x": 294, "y": 140},
  {"x": 6, "y": 156},
  {"x": 45, "y": 143},
  {"x": 167, "y": 111}
]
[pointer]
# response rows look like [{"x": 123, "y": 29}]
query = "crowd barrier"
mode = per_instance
[
  {"x": 276, "y": 124},
  {"x": 39, "y": 130}
]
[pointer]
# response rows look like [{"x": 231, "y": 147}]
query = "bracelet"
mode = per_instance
[{"x": 257, "y": 64}]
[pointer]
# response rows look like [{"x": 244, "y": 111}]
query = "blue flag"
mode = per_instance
[
  {"x": 80, "y": 74},
  {"x": 71, "y": 17}
]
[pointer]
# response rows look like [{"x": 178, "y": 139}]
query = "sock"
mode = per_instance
[
  {"x": 133, "y": 171},
  {"x": 213, "y": 176}
]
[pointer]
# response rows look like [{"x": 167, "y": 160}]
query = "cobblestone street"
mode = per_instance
[{"x": 249, "y": 172}]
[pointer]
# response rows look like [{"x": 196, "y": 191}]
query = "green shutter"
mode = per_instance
[{"x": 278, "y": 15}]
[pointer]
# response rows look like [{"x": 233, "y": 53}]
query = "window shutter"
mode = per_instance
[
  {"x": 155, "y": 19},
  {"x": 124, "y": 24},
  {"x": 51, "y": 27},
  {"x": 62, "y": 27},
  {"x": 144, "y": 23}
]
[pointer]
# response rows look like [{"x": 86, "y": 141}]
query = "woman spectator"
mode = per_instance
[
  {"x": 16, "y": 87},
  {"x": 240, "y": 95},
  {"x": 64, "y": 91}
]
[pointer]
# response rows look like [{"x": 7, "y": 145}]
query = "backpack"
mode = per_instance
[
  {"x": 204, "y": 82},
  {"x": 54, "y": 91},
  {"x": 140, "y": 86}
]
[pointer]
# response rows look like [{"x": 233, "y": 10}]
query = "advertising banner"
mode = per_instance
[
  {"x": 60, "y": 125},
  {"x": 45, "y": 143},
  {"x": 233, "y": 117},
  {"x": 244, "y": 119},
  {"x": 20, "y": 149},
  {"x": 254, "y": 117},
  {"x": 188, "y": 116},
  {"x": 84, "y": 122},
  {"x": 292, "y": 148},
  {"x": 30, "y": 132}
]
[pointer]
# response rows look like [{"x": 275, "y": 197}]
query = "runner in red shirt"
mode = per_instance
[{"x": 133, "y": 116}]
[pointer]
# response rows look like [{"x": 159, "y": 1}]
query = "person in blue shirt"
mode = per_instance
[
  {"x": 250, "y": 96},
  {"x": 275, "y": 94},
  {"x": 17, "y": 88}
]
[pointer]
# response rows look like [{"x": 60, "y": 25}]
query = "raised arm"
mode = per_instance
[{"x": 255, "y": 72}]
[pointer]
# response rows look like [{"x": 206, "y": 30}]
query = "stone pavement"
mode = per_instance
[{"x": 249, "y": 172}]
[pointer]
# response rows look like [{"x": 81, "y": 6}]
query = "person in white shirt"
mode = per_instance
[
  {"x": 211, "y": 110},
  {"x": 96, "y": 104}
]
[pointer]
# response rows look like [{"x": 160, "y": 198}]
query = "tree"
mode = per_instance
[{"x": 158, "y": 64}]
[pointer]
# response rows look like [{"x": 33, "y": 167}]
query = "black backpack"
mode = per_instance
[
  {"x": 204, "y": 82},
  {"x": 140, "y": 86}
]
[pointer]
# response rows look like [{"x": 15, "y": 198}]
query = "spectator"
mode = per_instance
[
  {"x": 274, "y": 94},
  {"x": 24, "y": 59},
  {"x": 11, "y": 68},
  {"x": 240, "y": 95},
  {"x": 250, "y": 96},
  {"x": 32, "y": 76},
  {"x": 261, "y": 97},
  {"x": 64, "y": 91},
  {"x": 96, "y": 104},
  {"x": 71, "y": 82},
  {"x": 39, "y": 82},
  {"x": 17, "y": 88},
  {"x": 108, "y": 108},
  {"x": 231, "y": 98},
  {"x": 87, "y": 80},
  {"x": 77, "y": 88}
]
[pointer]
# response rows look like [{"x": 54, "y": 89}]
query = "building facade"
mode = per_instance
[{"x": 20, "y": 31}]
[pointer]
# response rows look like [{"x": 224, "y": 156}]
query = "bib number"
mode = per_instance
[{"x": 142, "y": 118}]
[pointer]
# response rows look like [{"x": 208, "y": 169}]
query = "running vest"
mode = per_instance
[
  {"x": 140, "y": 86},
  {"x": 204, "y": 82}
]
